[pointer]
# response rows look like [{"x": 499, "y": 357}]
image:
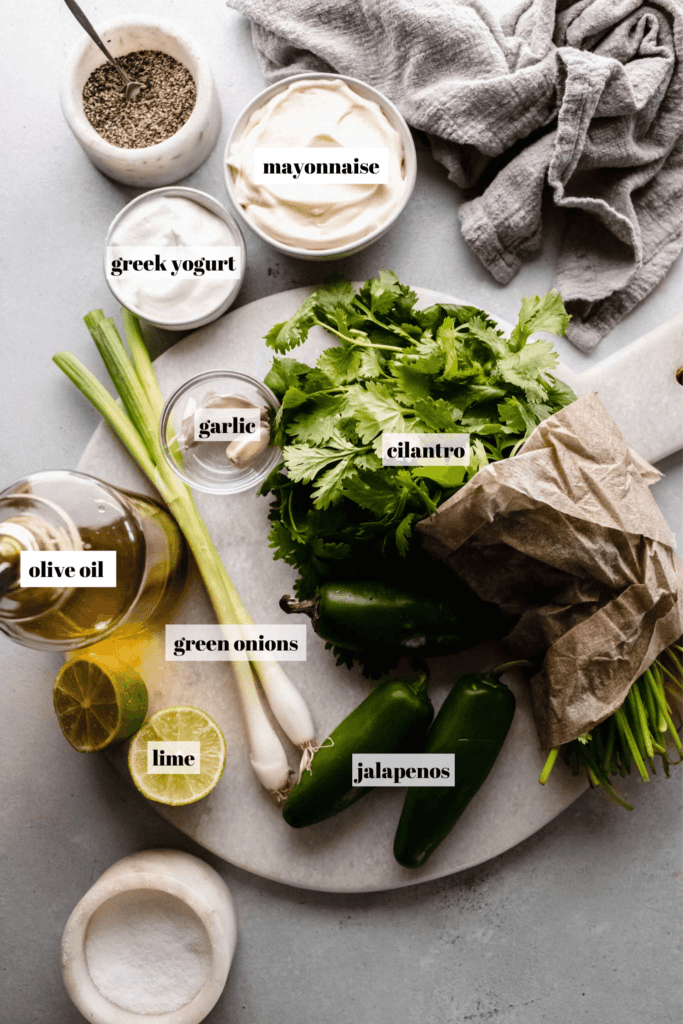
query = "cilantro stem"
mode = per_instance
[
  {"x": 629, "y": 741},
  {"x": 350, "y": 340},
  {"x": 548, "y": 766},
  {"x": 609, "y": 746},
  {"x": 372, "y": 344},
  {"x": 598, "y": 778},
  {"x": 677, "y": 682},
  {"x": 386, "y": 327},
  {"x": 634, "y": 693},
  {"x": 661, "y": 700}
]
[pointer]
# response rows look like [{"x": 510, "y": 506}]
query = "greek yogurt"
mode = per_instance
[{"x": 172, "y": 261}]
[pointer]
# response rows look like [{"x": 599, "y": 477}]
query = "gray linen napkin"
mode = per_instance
[{"x": 584, "y": 96}]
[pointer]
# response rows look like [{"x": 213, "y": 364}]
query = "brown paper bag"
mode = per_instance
[{"x": 567, "y": 536}]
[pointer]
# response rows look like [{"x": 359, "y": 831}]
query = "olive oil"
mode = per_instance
[{"x": 68, "y": 511}]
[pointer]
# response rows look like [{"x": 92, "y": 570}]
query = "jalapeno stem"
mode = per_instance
[
  {"x": 500, "y": 669},
  {"x": 419, "y": 687},
  {"x": 293, "y": 607}
]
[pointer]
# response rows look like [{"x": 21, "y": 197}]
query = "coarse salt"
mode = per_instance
[{"x": 147, "y": 951}]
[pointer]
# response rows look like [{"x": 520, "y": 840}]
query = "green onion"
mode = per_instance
[{"x": 136, "y": 425}]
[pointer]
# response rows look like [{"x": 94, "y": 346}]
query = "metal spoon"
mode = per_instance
[{"x": 132, "y": 88}]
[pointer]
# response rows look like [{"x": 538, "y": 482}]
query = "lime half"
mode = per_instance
[
  {"x": 97, "y": 705},
  {"x": 172, "y": 725}
]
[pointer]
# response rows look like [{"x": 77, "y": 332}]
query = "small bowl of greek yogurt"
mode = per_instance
[
  {"x": 320, "y": 165},
  {"x": 175, "y": 257}
]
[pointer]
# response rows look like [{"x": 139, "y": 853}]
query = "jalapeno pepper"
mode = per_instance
[
  {"x": 472, "y": 724},
  {"x": 392, "y": 719},
  {"x": 366, "y": 616}
]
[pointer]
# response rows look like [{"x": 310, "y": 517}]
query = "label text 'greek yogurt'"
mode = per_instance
[
  {"x": 173, "y": 757},
  {"x": 403, "y": 769},
  {"x": 67, "y": 569},
  {"x": 425, "y": 449},
  {"x": 172, "y": 261},
  {"x": 235, "y": 643},
  {"x": 359, "y": 165},
  {"x": 226, "y": 424}
]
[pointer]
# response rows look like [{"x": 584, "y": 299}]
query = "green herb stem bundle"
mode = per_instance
[
  {"x": 638, "y": 732},
  {"x": 136, "y": 425}
]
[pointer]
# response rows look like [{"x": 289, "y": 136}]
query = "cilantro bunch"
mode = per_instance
[{"x": 337, "y": 513}]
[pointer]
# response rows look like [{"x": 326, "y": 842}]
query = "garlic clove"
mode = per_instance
[
  {"x": 186, "y": 432},
  {"x": 213, "y": 400},
  {"x": 243, "y": 451},
  {"x": 216, "y": 401}
]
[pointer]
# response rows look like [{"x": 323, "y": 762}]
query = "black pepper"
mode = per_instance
[{"x": 155, "y": 114}]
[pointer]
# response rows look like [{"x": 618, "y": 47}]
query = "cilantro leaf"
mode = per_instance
[
  {"x": 381, "y": 292},
  {"x": 341, "y": 364},
  {"x": 445, "y": 476},
  {"x": 329, "y": 487},
  {"x": 492, "y": 338},
  {"x": 370, "y": 364},
  {"x": 446, "y": 337},
  {"x": 517, "y": 414},
  {"x": 403, "y": 532},
  {"x": 283, "y": 374},
  {"x": 304, "y": 462},
  {"x": 437, "y": 415},
  {"x": 526, "y": 368},
  {"x": 559, "y": 393},
  {"x": 375, "y": 411},
  {"x": 320, "y": 419},
  {"x": 539, "y": 313},
  {"x": 425, "y": 356},
  {"x": 335, "y": 292},
  {"x": 414, "y": 384},
  {"x": 284, "y": 542},
  {"x": 376, "y": 492},
  {"x": 329, "y": 549},
  {"x": 294, "y": 331}
]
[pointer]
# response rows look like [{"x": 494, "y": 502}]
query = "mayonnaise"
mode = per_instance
[
  {"x": 317, "y": 113},
  {"x": 166, "y": 220}
]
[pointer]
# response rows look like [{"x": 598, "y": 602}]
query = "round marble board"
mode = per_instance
[{"x": 351, "y": 852}]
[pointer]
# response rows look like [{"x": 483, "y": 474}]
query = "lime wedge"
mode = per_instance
[
  {"x": 97, "y": 705},
  {"x": 169, "y": 726}
]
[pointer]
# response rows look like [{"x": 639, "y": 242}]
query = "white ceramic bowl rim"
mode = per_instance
[
  {"x": 73, "y": 944},
  {"x": 383, "y": 101},
  {"x": 209, "y": 377},
  {"x": 214, "y": 206},
  {"x": 201, "y": 75}
]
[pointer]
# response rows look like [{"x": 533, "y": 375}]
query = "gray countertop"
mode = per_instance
[{"x": 580, "y": 922}]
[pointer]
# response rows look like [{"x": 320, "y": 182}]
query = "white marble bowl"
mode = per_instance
[
  {"x": 171, "y": 873},
  {"x": 167, "y": 161}
]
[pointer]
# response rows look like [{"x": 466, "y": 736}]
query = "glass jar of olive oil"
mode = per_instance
[{"x": 68, "y": 511}]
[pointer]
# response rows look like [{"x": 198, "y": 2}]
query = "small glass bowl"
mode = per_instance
[{"x": 205, "y": 466}]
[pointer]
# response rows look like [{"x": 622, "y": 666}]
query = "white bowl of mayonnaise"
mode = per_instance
[
  {"x": 320, "y": 165},
  {"x": 175, "y": 257}
]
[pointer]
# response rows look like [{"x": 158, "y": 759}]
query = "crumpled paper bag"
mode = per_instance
[{"x": 567, "y": 536}]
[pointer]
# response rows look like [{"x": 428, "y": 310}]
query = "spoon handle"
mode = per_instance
[{"x": 82, "y": 20}]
